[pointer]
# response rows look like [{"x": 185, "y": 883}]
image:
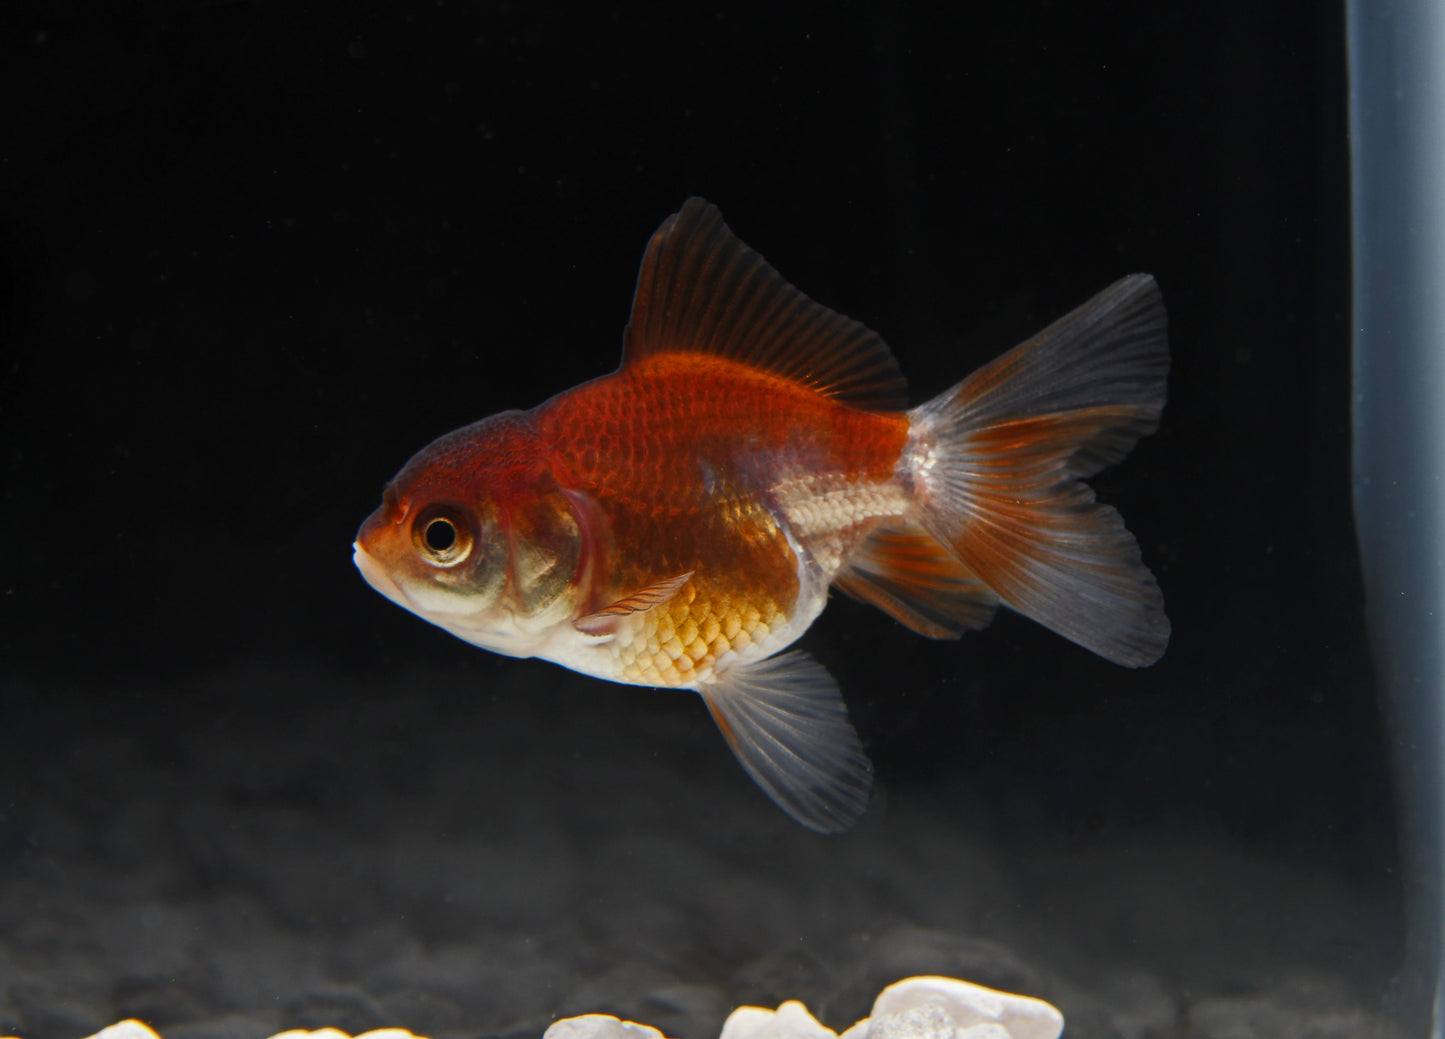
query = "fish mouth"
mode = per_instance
[
  {"x": 489, "y": 629},
  {"x": 376, "y": 575}
]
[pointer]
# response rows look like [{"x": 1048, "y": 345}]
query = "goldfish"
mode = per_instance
[{"x": 680, "y": 522}]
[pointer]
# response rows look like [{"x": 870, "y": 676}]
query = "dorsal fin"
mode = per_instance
[{"x": 701, "y": 290}]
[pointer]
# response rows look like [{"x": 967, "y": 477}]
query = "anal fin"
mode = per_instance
[
  {"x": 908, "y": 575},
  {"x": 786, "y": 721}
]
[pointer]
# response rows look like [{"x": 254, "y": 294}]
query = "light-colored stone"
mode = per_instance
[
  {"x": 916, "y": 1008},
  {"x": 965, "y": 1005},
  {"x": 599, "y": 1026},
  {"x": 925, "y": 1021},
  {"x": 130, "y": 1029},
  {"x": 789, "y": 1021}
]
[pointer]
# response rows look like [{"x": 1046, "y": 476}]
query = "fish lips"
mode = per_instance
[{"x": 376, "y": 575}]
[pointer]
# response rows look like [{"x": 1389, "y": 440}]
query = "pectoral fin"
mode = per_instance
[
  {"x": 788, "y": 726},
  {"x": 602, "y": 621}
]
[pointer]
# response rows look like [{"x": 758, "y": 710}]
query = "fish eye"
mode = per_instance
[{"x": 442, "y": 535}]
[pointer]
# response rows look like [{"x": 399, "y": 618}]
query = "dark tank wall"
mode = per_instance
[{"x": 255, "y": 255}]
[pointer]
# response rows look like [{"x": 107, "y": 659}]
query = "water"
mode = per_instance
[{"x": 255, "y": 257}]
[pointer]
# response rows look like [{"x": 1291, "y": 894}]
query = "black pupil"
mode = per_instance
[{"x": 440, "y": 535}]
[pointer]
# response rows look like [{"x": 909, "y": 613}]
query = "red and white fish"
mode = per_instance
[{"x": 680, "y": 521}]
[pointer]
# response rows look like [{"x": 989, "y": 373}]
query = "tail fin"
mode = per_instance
[{"x": 997, "y": 466}]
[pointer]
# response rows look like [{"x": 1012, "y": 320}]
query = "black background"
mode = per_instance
[{"x": 256, "y": 254}]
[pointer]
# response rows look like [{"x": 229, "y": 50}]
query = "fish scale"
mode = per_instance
[{"x": 677, "y": 643}]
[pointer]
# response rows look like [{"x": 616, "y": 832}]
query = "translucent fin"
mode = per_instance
[
  {"x": 601, "y": 621},
  {"x": 701, "y": 290},
  {"x": 997, "y": 462},
  {"x": 914, "y": 579},
  {"x": 788, "y": 726}
]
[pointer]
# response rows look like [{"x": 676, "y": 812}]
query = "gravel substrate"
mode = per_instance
[{"x": 286, "y": 849}]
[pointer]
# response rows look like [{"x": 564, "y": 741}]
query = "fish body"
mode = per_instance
[{"x": 679, "y": 523}]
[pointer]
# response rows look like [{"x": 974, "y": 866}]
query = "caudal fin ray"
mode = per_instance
[
  {"x": 998, "y": 461},
  {"x": 1112, "y": 349},
  {"x": 1079, "y": 572}
]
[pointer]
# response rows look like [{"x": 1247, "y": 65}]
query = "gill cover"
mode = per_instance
[{"x": 544, "y": 540}]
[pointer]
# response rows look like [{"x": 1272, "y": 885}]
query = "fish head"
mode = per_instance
[{"x": 476, "y": 536}]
